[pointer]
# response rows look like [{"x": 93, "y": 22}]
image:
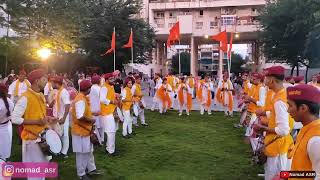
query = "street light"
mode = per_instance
[
  {"x": 206, "y": 36},
  {"x": 44, "y": 53},
  {"x": 237, "y": 35}
]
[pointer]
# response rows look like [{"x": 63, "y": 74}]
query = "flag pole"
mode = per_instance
[
  {"x": 179, "y": 59},
  {"x": 114, "y": 52},
  {"x": 132, "y": 54}
]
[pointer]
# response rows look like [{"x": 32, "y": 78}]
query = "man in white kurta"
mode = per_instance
[
  {"x": 18, "y": 87},
  {"x": 61, "y": 111},
  {"x": 94, "y": 97},
  {"x": 158, "y": 84},
  {"x": 227, "y": 86},
  {"x": 135, "y": 90},
  {"x": 206, "y": 87}
]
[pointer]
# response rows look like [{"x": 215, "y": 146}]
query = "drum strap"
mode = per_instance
[
  {"x": 266, "y": 145},
  {"x": 85, "y": 127}
]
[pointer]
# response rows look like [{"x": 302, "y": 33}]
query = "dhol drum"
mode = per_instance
[{"x": 50, "y": 142}]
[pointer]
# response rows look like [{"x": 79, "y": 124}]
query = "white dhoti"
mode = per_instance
[
  {"x": 275, "y": 165},
  {"x": 6, "y": 140},
  {"x": 140, "y": 112},
  {"x": 65, "y": 136},
  {"x": 171, "y": 95},
  {"x": 203, "y": 104},
  {"x": 155, "y": 102},
  {"x": 99, "y": 131},
  {"x": 127, "y": 123},
  {"x": 192, "y": 92},
  {"x": 84, "y": 154},
  {"x": 31, "y": 152},
  {"x": 110, "y": 126}
]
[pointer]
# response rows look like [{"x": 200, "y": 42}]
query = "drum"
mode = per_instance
[
  {"x": 73, "y": 92},
  {"x": 50, "y": 142}
]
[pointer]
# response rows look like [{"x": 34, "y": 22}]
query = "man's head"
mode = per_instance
[
  {"x": 206, "y": 78},
  {"x": 128, "y": 82},
  {"x": 138, "y": 79},
  {"x": 164, "y": 81},
  {"x": 225, "y": 76},
  {"x": 37, "y": 79},
  {"x": 109, "y": 78},
  {"x": 156, "y": 75},
  {"x": 57, "y": 82},
  {"x": 314, "y": 78},
  {"x": 85, "y": 86},
  {"x": 256, "y": 78},
  {"x": 304, "y": 102},
  {"x": 22, "y": 75},
  {"x": 274, "y": 76},
  {"x": 244, "y": 76},
  {"x": 95, "y": 79}
]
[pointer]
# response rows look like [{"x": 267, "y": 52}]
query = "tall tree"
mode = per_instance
[
  {"x": 286, "y": 24},
  {"x": 236, "y": 63}
]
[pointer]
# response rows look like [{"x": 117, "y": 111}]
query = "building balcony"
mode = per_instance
[{"x": 177, "y": 4}]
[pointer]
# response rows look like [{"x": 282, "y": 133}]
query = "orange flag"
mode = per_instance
[
  {"x": 113, "y": 44},
  {"x": 230, "y": 46},
  {"x": 174, "y": 34},
  {"x": 130, "y": 42},
  {"x": 222, "y": 37}
]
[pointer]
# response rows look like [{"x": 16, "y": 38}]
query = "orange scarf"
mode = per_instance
[
  {"x": 164, "y": 96},
  {"x": 199, "y": 94},
  {"x": 221, "y": 96},
  {"x": 181, "y": 98},
  {"x": 58, "y": 99}
]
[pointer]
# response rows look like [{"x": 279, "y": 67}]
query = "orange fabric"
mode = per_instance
[
  {"x": 174, "y": 34},
  {"x": 170, "y": 80},
  {"x": 246, "y": 88},
  {"x": 301, "y": 160},
  {"x": 81, "y": 128},
  {"x": 111, "y": 95},
  {"x": 130, "y": 41},
  {"x": 138, "y": 93},
  {"x": 221, "y": 95},
  {"x": 35, "y": 111},
  {"x": 164, "y": 96},
  {"x": 252, "y": 107},
  {"x": 191, "y": 82},
  {"x": 281, "y": 145},
  {"x": 222, "y": 37},
  {"x": 58, "y": 99},
  {"x": 127, "y": 105},
  {"x": 200, "y": 93},
  {"x": 199, "y": 90},
  {"x": 181, "y": 98},
  {"x": 16, "y": 91}
]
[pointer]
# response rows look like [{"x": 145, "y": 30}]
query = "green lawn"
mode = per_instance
[{"x": 172, "y": 147}]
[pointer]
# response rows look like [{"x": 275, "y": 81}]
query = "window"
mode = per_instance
[
  {"x": 229, "y": 20},
  {"x": 199, "y": 25},
  {"x": 207, "y": 67},
  {"x": 160, "y": 15},
  {"x": 201, "y": 13},
  {"x": 213, "y": 24},
  {"x": 170, "y": 14}
]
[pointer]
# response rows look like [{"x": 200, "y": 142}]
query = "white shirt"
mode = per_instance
[
  {"x": 158, "y": 83},
  {"x": 80, "y": 107},
  {"x": 23, "y": 87},
  {"x": 133, "y": 89},
  {"x": 94, "y": 97},
  {"x": 262, "y": 96},
  {"x": 282, "y": 118},
  {"x": 64, "y": 100},
  {"x": 103, "y": 96},
  {"x": 3, "y": 110},
  {"x": 46, "y": 90},
  {"x": 185, "y": 91},
  {"x": 124, "y": 94},
  {"x": 313, "y": 148}
]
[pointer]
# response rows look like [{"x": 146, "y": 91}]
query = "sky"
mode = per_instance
[{"x": 241, "y": 49}]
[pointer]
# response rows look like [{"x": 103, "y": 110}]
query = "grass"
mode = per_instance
[{"x": 172, "y": 147}]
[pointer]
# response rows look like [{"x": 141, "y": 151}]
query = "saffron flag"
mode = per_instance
[
  {"x": 113, "y": 44},
  {"x": 230, "y": 46},
  {"x": 222, "y": 37},
  {"x": 174, "y": 34},
  {"x": 130, "y": 42}
]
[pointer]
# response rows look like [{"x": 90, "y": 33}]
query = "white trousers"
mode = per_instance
[
  {"x": 111, "y": 129},
  {"x": 31, "y": 152},
  {"x": 192, "y": 92},
  {"x": 254, "y": 143},
  {"x": 155, "y": 103},
  {"x": 85, "y": 161},
  {"x": 181, "y": 107},
  {"x": 243, "y": 116},
  {"x": 249, "y": 129},
  {"x": 162, "y": 107},
  {"x": 127, "y": 123},
  {"x": 203, "y": 107},
  {"x": 171, "y": 95},
  {"x": 226, "y": 110},
  {"x": 65, "y": 137},
  {"x": 6, "y": 140},
  {"x": 140, "y": 116},
  {"x": 99, "y": 131},
  {"x": 275, "y": 165}
]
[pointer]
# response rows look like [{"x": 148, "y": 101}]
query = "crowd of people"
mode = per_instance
[{"x": 280, "y": 115}]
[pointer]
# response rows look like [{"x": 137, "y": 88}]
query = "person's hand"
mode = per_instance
[
  {"x": 62, "y": 120},
  {"x": 260, "y": 112},
  {"x": 43, "y": 121}
]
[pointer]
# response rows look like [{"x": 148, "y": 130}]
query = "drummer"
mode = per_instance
[
  {"x": 82, "y": 122},
  {"x": 138, "y": 96},
  {"x": 61, "y": 111},
  {"x": 30, "y": 111},
  {"x": 6, "y": 107},
  {"x": 108, "y": 106}
]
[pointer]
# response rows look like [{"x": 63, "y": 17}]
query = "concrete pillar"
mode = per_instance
[
  {"x": 157, "y": 53},
  {"x": 194, "y": 57}
]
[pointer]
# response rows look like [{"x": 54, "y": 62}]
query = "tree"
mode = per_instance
[
  {"x": 236, "y": 63},
  {"x": 286, "y": 24},
  {"x": 185, "y": 63}
]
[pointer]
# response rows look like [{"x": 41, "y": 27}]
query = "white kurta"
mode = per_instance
[
  {"x": 227, "y": 85},
  {"x": 5, "y": 130},
  {"x": 47, "y": 90},
  {"x": 23, "y": 87}
]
